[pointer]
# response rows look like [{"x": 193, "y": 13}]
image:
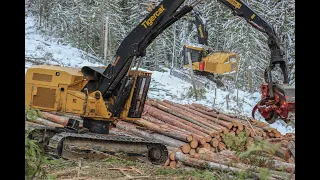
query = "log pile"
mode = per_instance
[
  {"x": 197, "y": 135},
  {"x": 204, "y": 130}
]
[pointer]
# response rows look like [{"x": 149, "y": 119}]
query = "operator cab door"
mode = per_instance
[{"x": 196, "y": 55}]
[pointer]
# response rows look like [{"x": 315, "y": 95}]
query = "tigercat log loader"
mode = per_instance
[
  {"x": 104, "y": 95},
  {"x": 205, "y": 62}
]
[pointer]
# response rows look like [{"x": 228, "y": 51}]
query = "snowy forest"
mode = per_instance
[{"x": 99, "y": 26}]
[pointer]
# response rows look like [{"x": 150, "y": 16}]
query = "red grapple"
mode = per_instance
[{"x": 282, "y": 103}]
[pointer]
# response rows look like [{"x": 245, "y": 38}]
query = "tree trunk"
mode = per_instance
[
  {"x": 79, "y": 27},
  {"x": 191, "y": 74},
  {"x": 106, "y": 39}
]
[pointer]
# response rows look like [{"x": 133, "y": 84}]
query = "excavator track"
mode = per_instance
[{"x": 61, "y": 144}]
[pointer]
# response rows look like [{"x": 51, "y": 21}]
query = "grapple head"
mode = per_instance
[{"x": 280, "y": 105}]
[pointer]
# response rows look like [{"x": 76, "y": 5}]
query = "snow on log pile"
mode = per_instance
[{"x": 200, "y": 136}]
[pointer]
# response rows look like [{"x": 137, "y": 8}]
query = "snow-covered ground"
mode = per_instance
[
  {"x": 163, "y": 85},
  {"x": 39, "y": 46}
]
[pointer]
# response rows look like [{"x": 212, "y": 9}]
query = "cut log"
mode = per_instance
[
  {"x": 252, "y": 133},
  {"x": 232, "y": 133},
  {"x": 234, "y": 123},
  {"x": 225, "y": 131},
  {"x": 202, "y": 107},
  {"x": 164, "y": 124},
  {"x": 214, "y": 142},
  {"x": 150, "y": 136},
  {"x": 291, "y": 160},
  {"x": 203, "y": 141},
  {"x": 35, "y": 125},
  {"x": 292, "y": 147},
  {"x": 54, "y": 118},
  {"x": 212, "y": 134},
  {"x": 277, "y": 134},
  {"x": 264, "y": 134},
  {"x": 173, "y": 164},
  {"x": 207, "y": 155},
  {"x": 189, "y": 138},
  {"x": 167, "y": 163},
  {"x": 45, "y": 122},
  {"x": 274, "y": 174},
  {"x": 185, "y": 148},
  {"x": 202, "y": 163},
  {"x": 152, "y": 119},
  {"x": 203, "y": 122},
  {"x": 219, "y": 138},
  {"x": 229, "y": 154},
  {"x": 195, "y": 113},
  {"x": 194, "y": 144},
  {"x": 279, "y": 165},
  {"x": 216, "y": 120},
  {"x": 168, "y": 118},
  {"x": 189, "y": 121},
  {"x": 206, "y": 146},
  {"x": 213, "y": 114},
  {"x": 208, "y": 139},
  {"x": 240, "y": 127},
  {"x": 192, "y": 152},
  {"x": 171, "y": 156},
  {"x": 221, "y": 146},
  {"x": 164, "y": 131},
  {"x": 271, "y": 134}
]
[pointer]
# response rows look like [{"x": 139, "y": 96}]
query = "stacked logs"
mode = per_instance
[
  {"x": 195, "y": 134},
  {"x": 50, "y": 120},
  {"x": 199, "y": 127}
]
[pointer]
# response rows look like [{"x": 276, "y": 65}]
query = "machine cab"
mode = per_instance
[{"x": 196, "y": 53}]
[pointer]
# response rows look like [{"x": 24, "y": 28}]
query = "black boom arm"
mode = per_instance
[
  {"x": 241, "y": 9},
  {"x": 135, "y": 44},
  {"x": 201, "y": 28}
]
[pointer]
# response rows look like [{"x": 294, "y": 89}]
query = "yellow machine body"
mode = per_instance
[
  {"x": 56, "y": 88},
  {"x": 216, "y": 63}
]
